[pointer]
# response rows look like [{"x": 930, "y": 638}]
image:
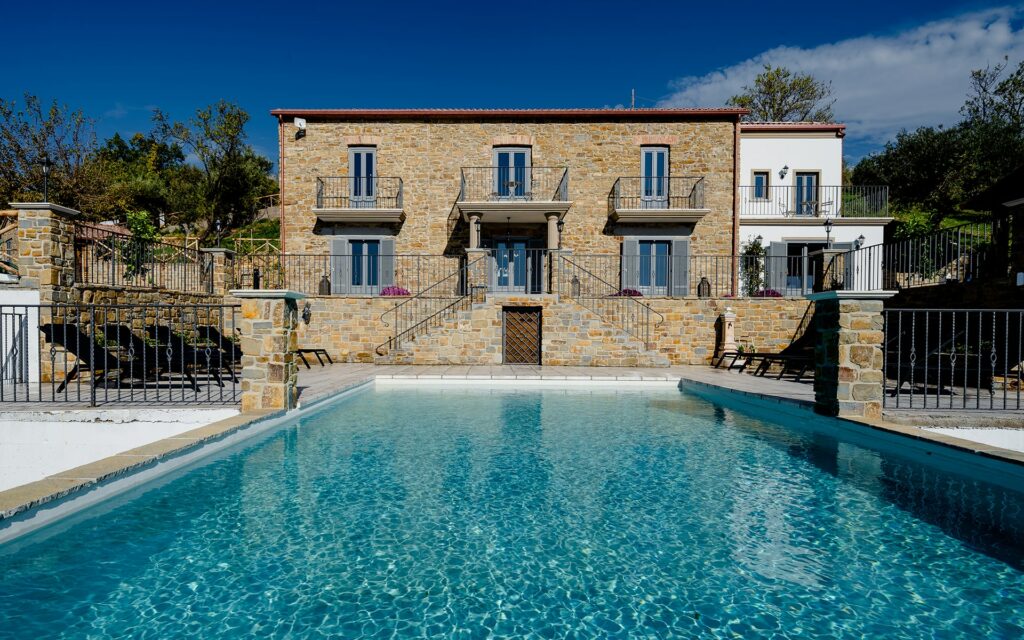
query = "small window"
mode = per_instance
[
  {"x": 654, "y": 176},
  {"x": 761, "y": 185}
]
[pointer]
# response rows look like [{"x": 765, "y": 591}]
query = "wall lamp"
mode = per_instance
[
  {"x": 859, "y": 242},
  {"x": 300, "y": 126},
  {"x": 783, "y": 171}
]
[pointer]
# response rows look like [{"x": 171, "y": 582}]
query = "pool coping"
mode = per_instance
[
  {"x": 19, "y": 506},
  {"x": 916, "y": 433}
]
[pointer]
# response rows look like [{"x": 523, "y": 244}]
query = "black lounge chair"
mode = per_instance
[
  {"x": 158, "y": 360},
  {"x": 89, "y": 354},
  {"x": 195, "y": 355}
]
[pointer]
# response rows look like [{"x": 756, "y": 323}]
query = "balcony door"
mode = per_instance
[
  {"x": 512, "y": 173},
  {"x": 807, "y": 200},
  {"x": 362, "y": 164},
  {"x": 654, "y": 178},
  {"x": 362, "y": 266}
]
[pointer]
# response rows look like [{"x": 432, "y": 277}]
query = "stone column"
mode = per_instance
[
  {"x": 222, "y": 275},
  {"x": 848, "y": 356},
  {"x": 479, "y": 268},
  {"x": 474, "y": 234},
  {"x": 552, "y": 219},
  {"x": 268, "y": 325},
  {"x": 824, "y": 268},
  {"x": 46, "y": 250},
  {"x": 728, "y": 320}
]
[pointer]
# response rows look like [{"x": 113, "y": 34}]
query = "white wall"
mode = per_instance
[
  {"x": 19, "y": 330},
  {"x": 799, "y": 153}
]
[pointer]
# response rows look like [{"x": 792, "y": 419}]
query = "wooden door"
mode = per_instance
[{"x": 521, "y": 344}]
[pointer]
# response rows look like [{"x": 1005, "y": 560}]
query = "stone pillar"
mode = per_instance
[
  {"x": 222, "y": 275},
  {"x": 728, "y": 320},
  {"x": 479, "y": 268},
  {"x": 268, "y": 324},
  {"x": 848, "y": 356},
  {"x": 474, "y": 234},
  {"x": 558, "y": 271},
  {"x": 46, "y": 250},
  {"x": 552, "y": 219},
  {"x": 824, "y": 268}
]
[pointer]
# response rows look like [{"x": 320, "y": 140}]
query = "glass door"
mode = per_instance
[
  {"x": 512, "y": 173},
  {"x": 511, "y": 265},
  {"x": 654, "y": 266},
  {"x": 363, "y": 168},
  {"x": 807, "y": 194},
  {"x": 365, "y": 274},
  {"x": 654, "y": 178}
]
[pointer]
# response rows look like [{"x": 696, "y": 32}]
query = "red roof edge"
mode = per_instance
[
  {"x": 794, "y": 127},
  {"x": 526, "y": 114}
]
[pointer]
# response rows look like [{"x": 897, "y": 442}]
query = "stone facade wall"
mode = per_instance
[
  {"x": 269, "y": 370},
  {"x": 429, "y": 154},
  {"x": 350, "y": 328},
  {"x": 46, "y": 253},
  {"x": 689, "y": 332}
]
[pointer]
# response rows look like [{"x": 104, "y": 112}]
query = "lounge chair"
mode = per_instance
[{"x": 89, "y": 354}]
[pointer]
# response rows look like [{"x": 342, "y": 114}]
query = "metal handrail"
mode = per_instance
[
  {"x": 819, "y": 201},
  {"x": 526, "y": 184},
  {"x": 646, "y": 310},
  {"x": 664, "y": 192},
  {"x": 394, "y": 341},
  {"x": 378, "y": 192}
]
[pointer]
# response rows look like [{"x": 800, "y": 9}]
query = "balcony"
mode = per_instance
[
  {"x": 514, "y": 194},
  {"x": 359, "y": 199},
  {"x": 668, "y": 199},
  {"x": 796, "y": 204}
]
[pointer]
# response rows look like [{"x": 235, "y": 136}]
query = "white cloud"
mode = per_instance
[{"x": 883, "y": 83}]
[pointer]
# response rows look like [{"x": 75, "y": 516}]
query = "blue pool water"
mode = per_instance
[{"x": 533, "y": 513}]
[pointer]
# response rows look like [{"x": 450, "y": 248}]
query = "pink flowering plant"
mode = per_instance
[{"x": 394, "y": 291}]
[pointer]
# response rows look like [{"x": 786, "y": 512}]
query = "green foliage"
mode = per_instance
[
  {"x": 753, "y": 267},
  {"x": 778, "y": 94},
  {"x": 147, "y": 172},
  {"x": 141, "y": 225},
  {"x": 911, "y": 222},
  {"x": 31, "y": 131},
  {"x": 230, "y": 178},
  {"x": 932, "y": 170}
]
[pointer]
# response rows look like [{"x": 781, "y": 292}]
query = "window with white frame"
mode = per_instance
[
  {"x": 362, "y": 167},
  {"x": 512, "y": 172},
  {"x": 654, "y": 177}
]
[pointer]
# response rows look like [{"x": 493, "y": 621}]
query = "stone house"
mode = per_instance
[{"x": 609, "y": 234}]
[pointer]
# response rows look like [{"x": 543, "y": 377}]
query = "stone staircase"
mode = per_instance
[{"x": 572, "y": 335}]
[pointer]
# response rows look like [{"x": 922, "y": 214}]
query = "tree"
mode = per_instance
[
  {"x": 33, "y": 131},
  {"x": 779, "y": 95},
  {"x": 140, "y": 176},
  {"x": 228, "y": 178}
]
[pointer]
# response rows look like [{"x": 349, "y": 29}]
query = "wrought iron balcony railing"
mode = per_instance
[
  {"x": 788, "y": 201},
  {"x": 348, "y": 192},
  {"x": 684, "y": 192},
  {"x": 512, "y": 184}
]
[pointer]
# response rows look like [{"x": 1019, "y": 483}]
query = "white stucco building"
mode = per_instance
[{"x": 793, "y": 199}]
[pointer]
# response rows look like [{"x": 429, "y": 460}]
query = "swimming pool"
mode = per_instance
[{"x": 456, "y": 512}]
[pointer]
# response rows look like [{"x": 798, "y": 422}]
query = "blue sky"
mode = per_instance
[{"x": 892, "y": 64}]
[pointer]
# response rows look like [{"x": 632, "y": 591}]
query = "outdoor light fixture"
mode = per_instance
[
  {"x": 45, "y": 162},
  {"x": 561, "y": 227},
  {"x": 478, "y": 223},
  {"x": 300, "y": 126},
  {"x": 307, "y": 313},
  {"x": 784, "y": 171},
  {"x": 759, "y": 239},
  {"x": 828, "y": 233},
  {"x": 860, "y": 241}
]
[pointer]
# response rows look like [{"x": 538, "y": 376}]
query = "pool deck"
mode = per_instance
[{"x": 322, "y": 383}]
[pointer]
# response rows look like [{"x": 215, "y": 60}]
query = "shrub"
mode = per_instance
[{"x": 394, "y": 291}]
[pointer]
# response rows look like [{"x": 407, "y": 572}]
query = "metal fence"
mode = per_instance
[
  {"x": 342, "y": 274},
  {"x": 349, "y": 192},
  {"x": 967, "y": 359},
  {"x": 9, "y": 242},
  {"x": 682, "y": 192},
  {"x": 496, "y": 184},
  {"x": 959, "y": 254},
  {"x": 785, "y": 201},
  {"x": 115, "y": 259},
  {"x": 674, "y": 276},
  {"x": 98, "y": 354}
]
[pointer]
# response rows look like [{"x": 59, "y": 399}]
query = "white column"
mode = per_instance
[
  {"x": 552, "y": 230},
  {"x": 474, "y": 235}
]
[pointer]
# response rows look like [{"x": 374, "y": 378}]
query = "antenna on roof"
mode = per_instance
[{"x": 632, "y": 99}]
